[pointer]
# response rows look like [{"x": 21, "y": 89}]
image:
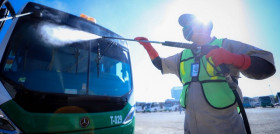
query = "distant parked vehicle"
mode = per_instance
[
  {"x": 152, "y": 107},
  {"x": 140, "y": 106},
  {"x": 266, "y": 101},
  {"x": 161, "y": 106},
  {"x": 257, "y": 104},
  {"x": 278, "y": 97},
  {"x": 249, "y": 102},
  {"x": 171, "y": 105}
]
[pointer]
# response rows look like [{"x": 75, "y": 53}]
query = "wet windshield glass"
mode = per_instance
[
  {"x": 68, "y": 69},
  {"x": 110, "y": 69}
]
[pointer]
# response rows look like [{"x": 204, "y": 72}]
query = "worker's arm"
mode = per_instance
[
  {"x": 151, "y": 51},
  {"x": 262, "y": 62},
  {"x": 157, "y": 63},
  {"x": 260, "y": 68},
  {"x": 256, "y": 66}
]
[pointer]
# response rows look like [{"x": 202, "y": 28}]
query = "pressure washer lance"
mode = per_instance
[
  {"x": 224, "y": 70},
  {"x": 166, "y": 43},
  {"x": 16, "y": 16}
]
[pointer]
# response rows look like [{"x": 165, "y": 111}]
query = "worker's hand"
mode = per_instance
[
  {"x": 147, "y": 45},
  {"x": 222, "y": 56},
  {"x": 144, "y": 39}
]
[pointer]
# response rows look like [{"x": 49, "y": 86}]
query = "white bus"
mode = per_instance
[
  {"x": 152, "y": 107},
  {"x": 171, "y": 105},
  {"x": 140, "y": 106}
]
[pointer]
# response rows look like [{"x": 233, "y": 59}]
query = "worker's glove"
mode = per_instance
[
  {"x": 222, "y": 56},
  {"x": 147, "y": 45}
]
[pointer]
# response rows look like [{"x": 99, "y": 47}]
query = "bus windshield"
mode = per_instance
[{"x": 98, "y": 67}]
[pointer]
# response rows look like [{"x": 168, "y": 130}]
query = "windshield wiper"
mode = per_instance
[
  {"x": 106, "y": 49},
  {"x": 99, "y": 55},
  {"x": 98, "y": 58}
]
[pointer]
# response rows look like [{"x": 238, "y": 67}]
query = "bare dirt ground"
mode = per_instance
[{"x": 262, "y": 121}]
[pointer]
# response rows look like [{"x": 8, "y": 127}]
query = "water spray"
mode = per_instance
[{"x": 60, "y": 35}]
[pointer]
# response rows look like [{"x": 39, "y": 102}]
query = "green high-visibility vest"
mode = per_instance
[{"x": 214, "y": 85}]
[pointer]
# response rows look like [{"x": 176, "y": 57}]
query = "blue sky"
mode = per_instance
[{"x": 255, "y": 22}]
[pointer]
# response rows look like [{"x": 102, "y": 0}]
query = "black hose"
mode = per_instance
[
  {"x": 243, "y": 113},
  {"x": 233, "y": 86}
]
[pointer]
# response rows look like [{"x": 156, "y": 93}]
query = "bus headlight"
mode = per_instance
[
  {"x": 6, "y": 126},
  {"x": 129, "y": 116}
]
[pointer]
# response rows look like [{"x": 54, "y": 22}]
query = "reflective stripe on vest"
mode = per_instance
[{"x": 216, "y": 90}]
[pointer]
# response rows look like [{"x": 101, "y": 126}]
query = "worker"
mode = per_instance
[{"x": 210, "y": 104}]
